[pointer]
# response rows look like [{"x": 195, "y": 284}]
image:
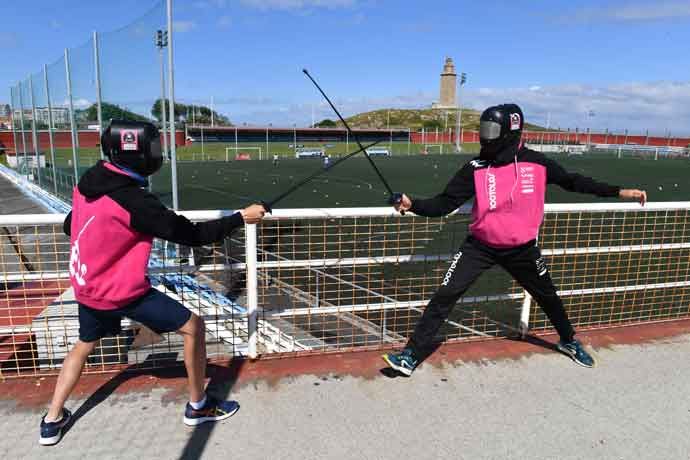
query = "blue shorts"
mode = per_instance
[{"x": 154, "y": 310}]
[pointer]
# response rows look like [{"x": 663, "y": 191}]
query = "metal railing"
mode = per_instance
[{"x": 315, "y": 280}]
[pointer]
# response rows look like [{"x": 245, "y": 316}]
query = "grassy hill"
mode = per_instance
[{"x": 416, "y": 119}]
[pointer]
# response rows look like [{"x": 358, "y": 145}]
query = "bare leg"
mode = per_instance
[
  {"x": 69, "y": 376},
  {"x": 193, "y": 333}
]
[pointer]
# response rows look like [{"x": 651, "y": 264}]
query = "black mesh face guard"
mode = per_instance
[{"x": 489, "y": 130}]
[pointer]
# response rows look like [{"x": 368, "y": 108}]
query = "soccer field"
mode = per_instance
[
  {"x": 223, "y": 185},
  {"x": 228, "y": 185}
]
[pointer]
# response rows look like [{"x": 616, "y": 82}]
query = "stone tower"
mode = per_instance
[{"x": 448, "y": 85}]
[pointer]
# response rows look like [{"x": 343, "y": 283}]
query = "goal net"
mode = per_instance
[
  {"x": 430, "y": 149},
  {"x": 244, "y": 153}
]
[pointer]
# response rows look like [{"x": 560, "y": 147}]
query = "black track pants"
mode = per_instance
[{"x": 524, "y": 263}]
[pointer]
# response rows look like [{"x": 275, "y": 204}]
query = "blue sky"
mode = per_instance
[{"x": 625, "y": 62}]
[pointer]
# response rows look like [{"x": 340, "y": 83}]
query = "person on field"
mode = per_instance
[
  {"x": 275, "y": 160},
  {"x": 508, "y": 182},
  {"x": 111, "y": 227}
]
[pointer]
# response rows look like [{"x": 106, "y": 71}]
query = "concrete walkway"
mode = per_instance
[
  {"x": 634, "y": 405},
  {"x": 13, "y": 201}
]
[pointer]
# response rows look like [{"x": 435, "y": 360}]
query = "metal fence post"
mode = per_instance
[
  {"x": 252, "y": 288},
  {"x": 14, "y": 122},
  {"x": 347, "y": 141},
  {"x": 99, "y": 108},
  {"x": 171, "y": 106},
  {"x": 73, "y": 125},
  {"x": 524, "y": 314},
  {"x": 34, "y": 134},
  {"x": 21, "y": 121},
  {"x": 164, "y": 116},
  {"x": 50, "y": 128}
]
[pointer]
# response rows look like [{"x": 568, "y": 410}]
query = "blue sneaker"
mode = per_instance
[
  {"x": 577, "y": 352},
  {"x": 404, "y": 362},
  {"x": 213, "y": 411},
  {"x": 51, "y": 432}
]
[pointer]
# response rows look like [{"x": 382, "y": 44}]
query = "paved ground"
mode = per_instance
[
  {"x": 13, "y": 201},
  {"x": 635, "y": 405}
]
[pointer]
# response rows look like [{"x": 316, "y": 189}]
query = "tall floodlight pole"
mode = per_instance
[
  {"x": 34, "y": 134},
  {"x": 50, "y": 127},
  {"x": 14, "y": 123},
  {"x": 458, "y": 134},
  {"x": 161, "y": 43},
  {"x": 21, "y": 121},
  {"x": 73, "y": 125},
  {"x": 171, "y": 87},
  {"x": 99, "y": 100}
]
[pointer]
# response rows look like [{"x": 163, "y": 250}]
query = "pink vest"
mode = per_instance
[
  {"x": 108, "y": 259},
  {"x": 509, "y": 204}
]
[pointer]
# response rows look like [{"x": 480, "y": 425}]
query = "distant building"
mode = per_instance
[
  {"x": 5, "y": 123},
  {"x": 447, "y": 98},
  {"x": 60, "y": 115}
]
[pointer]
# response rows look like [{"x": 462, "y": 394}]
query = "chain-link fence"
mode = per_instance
[{"x": 58, "y": 111}]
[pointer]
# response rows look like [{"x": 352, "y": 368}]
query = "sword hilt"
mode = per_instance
[
  {"x": 266, "y": 206},
  {"x": 396, "y": 198}
]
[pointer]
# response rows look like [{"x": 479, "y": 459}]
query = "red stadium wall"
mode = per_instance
[
  {"x": 445, "y": 137},
  {"x": 62, "y": 140},
  {"x": 89, "y": 139}
]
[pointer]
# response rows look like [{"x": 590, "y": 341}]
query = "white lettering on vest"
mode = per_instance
[
  {"x": 451, "y": 270},
  {"x": 492, "y": 191},
  {"x": 77, "y": 269}
]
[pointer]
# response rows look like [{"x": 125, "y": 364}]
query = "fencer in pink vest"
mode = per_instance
[
  {"x": 113, "y": 222},
  {"x": 508, "y": 183}
]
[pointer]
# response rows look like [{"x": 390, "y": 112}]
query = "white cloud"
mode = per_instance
[
  {"x": 656, "y": 106},
  {"x": 636, "y": 106},
  {"x": 297, "y": 4},
  {"x": 183, "y": 26},
  {"x": 79, "y": 103},
  {"x": 647, "y": 11}
]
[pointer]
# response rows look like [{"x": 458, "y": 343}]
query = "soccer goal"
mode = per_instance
[
  {"x": 253, "y": 152},
  {"x": 430, "y": 149}
]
